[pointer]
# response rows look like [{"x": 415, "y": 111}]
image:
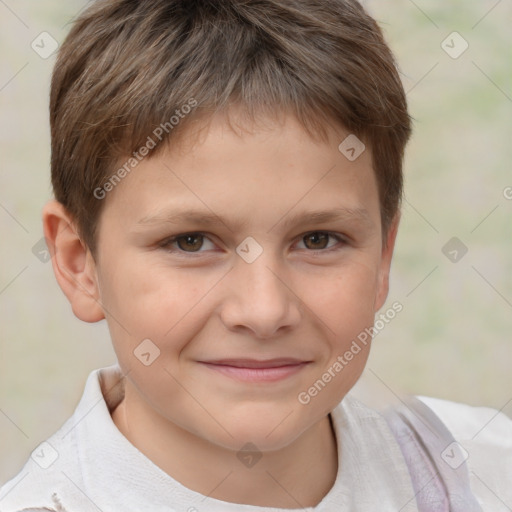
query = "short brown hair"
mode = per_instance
[{"x": 127, "y": 66}]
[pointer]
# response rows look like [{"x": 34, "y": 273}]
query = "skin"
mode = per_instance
[{"x": 305, "y": 297}]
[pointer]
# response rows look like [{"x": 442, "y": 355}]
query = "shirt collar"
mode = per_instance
[{"x": 372, "y": 471}]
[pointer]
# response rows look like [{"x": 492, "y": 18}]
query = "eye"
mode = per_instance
[
  {"x": 187, "y": 242},
  {"x": 319, "y": 240},
  {"x": 193, "y": 242}
]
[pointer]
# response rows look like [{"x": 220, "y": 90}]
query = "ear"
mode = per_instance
[
  {"x": 73, "y": 264},
  {"x": 385, "y": 264}
]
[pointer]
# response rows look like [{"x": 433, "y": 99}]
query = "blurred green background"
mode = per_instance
[{"x": 452, "y": 339}]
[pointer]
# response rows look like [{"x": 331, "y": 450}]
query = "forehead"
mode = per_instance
[{"x": 251, "y": 172}]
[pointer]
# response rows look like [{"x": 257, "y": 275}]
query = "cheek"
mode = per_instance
[
  {"x": 344, "y": 302},
  {"x": 343, "y": 299},
  {"x": 144, "y": 301}
]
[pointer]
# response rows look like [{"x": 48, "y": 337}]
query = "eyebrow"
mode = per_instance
[{"x": 358, "y": 215}]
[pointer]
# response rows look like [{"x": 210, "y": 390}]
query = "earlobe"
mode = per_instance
[
  {"x": 73, "y": 264},
  {"x": 385, "y": 265}
]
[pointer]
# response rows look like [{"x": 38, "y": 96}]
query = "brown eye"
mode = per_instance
[
  {"x": 316, "y": 241},
  {"x": 190, "y": 243}
]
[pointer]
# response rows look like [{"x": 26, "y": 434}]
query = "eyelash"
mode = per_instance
[{"x": 166, "y": 244}]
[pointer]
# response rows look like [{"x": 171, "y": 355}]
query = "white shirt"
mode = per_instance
[{"x": 88, "y": 465}]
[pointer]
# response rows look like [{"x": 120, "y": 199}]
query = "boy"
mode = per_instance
[{"x": 228, "y": 179}]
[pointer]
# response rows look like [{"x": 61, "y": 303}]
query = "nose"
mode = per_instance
[{"x": 260, "y": 299}]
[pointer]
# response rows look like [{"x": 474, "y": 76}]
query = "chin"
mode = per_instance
[{"x": 268, "y": 432}]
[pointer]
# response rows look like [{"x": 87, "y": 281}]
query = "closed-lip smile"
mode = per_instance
[{"x": 257, "y": 370}]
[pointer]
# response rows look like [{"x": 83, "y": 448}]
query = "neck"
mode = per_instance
[{"x": 297, "y": 476}]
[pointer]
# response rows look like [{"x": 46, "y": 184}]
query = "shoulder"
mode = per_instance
[
  {"x": 51, "y": 474},
  {"x": 477, "y": 427},
  {"x": 485, "y": 438},
  {"x": 476, "y": 424},
  {"x": 52, "y": 477}
]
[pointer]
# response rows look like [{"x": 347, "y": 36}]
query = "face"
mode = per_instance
[{"x": 234, "y": 273}]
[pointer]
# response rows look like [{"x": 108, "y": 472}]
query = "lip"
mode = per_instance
[{"x": 253, "y": 370}]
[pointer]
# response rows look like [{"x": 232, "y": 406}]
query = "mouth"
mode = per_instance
[{"x": 253, "y": 370}]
